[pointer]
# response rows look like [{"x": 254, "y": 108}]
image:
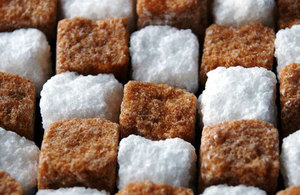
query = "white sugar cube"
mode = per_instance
[
  {"x": 287, "y": 46},
  {"x": 72, "y": 191},
  {"x": 19, "y": 157},
  {"x": 233, "y": 190},
  {"x": 290, "y": 159},
  {"x": 238, "y": 93},
  {"x": 69, "y": 95},
  {"x": 239, "y": 12},
  {"x": 163, "y": 54},
  {"x": 170, "y": 161},
  {"x": 99, "y": 10},
  {"x": 26, "y": 52}
]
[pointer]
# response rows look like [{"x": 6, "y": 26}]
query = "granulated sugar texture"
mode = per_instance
[
  {"x": 238, "y": 93},
  {"x": 170, "y": 161},
  {"x": 290, "y": 159},
  {"x": 69, "y": 95},
  {"x": 26, "y": 52},
  {"x": 99, "y": 10},
  {"x": 163, "y": 54},
  {"x": 19, "y": 158},
  {"x": 238, "y": 12},
  {"x": 72, "y": 191},
  {"x": 287, "y": 46}
]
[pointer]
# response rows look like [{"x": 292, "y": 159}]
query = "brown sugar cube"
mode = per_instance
[
  {"x": 40, "y": 14},
  {"x": 181, "y": 14},
  {"x": 157, "y": 111},
  {"x": 89, "y": 47},
  {"x": 290, "y": 98},
  {"x": 148, "y": 187},
  {"x": 8, "y": 185},
  {"x": 247, "y": 45},
  {"x": 239, "y": 152},
  {"x": 17, "y": 104},
  {"x": 293, "y": 190},
  {"x": 288, "y": 13},
  {"x": 79, "y": 152}
]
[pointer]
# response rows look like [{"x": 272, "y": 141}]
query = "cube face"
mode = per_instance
[
  {"x": 163, "y": 54},
  {"x": 180, "y": 14},
  {"x": 19, "y": 158},
  {"x": 233, "y": 190},
  {"x": 240, "y": 152},
  {"x": 236, "y": 13},
  {"x": 9, "y": 185},
  {"x": 287, "y": 46},
  {"x": 69, "y": 95},
  {"x": 79, "y": 152},
  {"x": 17, "y": 104},
  {"x": 247, "y": 45},
  {"x": 289, "y": 13},
  {"x": 89, "y": 47},
  {"x": 148, "y": 187},
  {"x": 40, "y": 14},
  {"x": 26, "y": 52},
  {"x": 73, "y": 191},
  {"x": 238, "y": 93},
  {"x": 157, "y": 111},
  {"x": 290, "y": 98},
  {"x": 290, "y": 191},
  {"x": 290, "y": 159},
  {"x": 100, "y": 10},
  {"x": 171, "y": 162}
]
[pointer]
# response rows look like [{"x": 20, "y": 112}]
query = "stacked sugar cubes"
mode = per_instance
[{"x": 121, "y": 110}]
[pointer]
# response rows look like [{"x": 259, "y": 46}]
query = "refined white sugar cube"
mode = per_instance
[
  {"x": 233, "y": 190},
  {"x": 290, "y": 159},
  {"x": 238, "y": 93},
  {"x": 19, "y": 157},
  {"x": 287, "y": 46},
  {"x": 26, "y": 52},
  {"x": 69, "y": 95},
  {"x": 239, "y": 12},
  {"x": 163, "y": 54},
  {"x": 72, "y": 191},
  {"x": 170, "y": 161},
  {"x": 99, "y": 10}
]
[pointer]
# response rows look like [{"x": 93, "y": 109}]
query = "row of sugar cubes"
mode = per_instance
[{"x": 160, "y": 55}]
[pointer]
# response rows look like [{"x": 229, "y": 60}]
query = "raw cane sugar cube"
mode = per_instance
[
  {"x": 247, "y": 45},
  {"x": 99, "y": 10},
  {"x": 89, "y": 47},
  {"x": 290, "y": 98},
  {"x": 288, "y": 13},
  {"x": 236, "y": 12},
  {"x": 9, "y": 185},
  {"x": 17, "y": 104},
  {"x": 233, "y": 190},
  {"x": 163, "y": 54},
  {"x": 69, "y": 95},
  {"x": 158, "y": 111},
  {"x": 171, "y": 161},
  {"x": 26, "y": 52},
  {"x": 287, "y": 46},
  {"x": 40, "y": 14},
  {"x": 240, "y": 152},
  {"x": 79, "y": 152},
  {"x": 73, "y": 191},
  {"x": 148, "y": 187},
  {"x": 293, "y": 190},
  {"x": 180, "y": 14},
  {"x": 238, "y": 93},
  {"x": 290, "y": 159},
  {"x": 19, "y": 158}
]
